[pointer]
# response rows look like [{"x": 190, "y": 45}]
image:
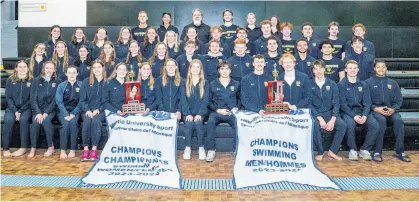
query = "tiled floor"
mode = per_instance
[{"x": 220, "y": 168}]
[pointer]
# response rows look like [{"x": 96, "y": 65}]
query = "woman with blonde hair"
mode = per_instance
[
  {"x": 37, "y": 59},
  {"x": 194, "y": 104},
  {"x": 43, "y": 106},
  {"x": 61, "y": 59},
  {"x": 158, "y": 58},
  {"x": 18, "y": 87},
  {"x": 168, "y": 88},
  {"x": 92, "y": 108},
  {"x": 172, "y": 42}
]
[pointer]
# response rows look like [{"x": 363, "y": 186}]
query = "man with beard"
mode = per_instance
[
  {"x": 202, "y": 29},
  {"x": 304, "y": 60}
]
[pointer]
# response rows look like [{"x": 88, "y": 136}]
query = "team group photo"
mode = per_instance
[{"x": 234, "y": 100}]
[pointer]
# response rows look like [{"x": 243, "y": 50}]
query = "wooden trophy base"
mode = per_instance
[
  {"x": 276, "y": 109},
  {"x": 133, "y": 107}
]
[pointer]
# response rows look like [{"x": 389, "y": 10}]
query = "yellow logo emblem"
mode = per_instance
[
  {"x": 360, "y": 89},
  {"x": 389, "y": 86},
  {"x": 53, "y": 85},
  {"x": 297, "y": 83},
  {"x": 77, "y": 90},
  {"x": 28, "y": 84}
]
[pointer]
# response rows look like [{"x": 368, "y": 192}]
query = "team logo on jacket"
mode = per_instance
[
  {"x": 53, "y": 85},
  {"x": 221, "y": 49},
  {"x": 314, "y": 44},
  {"x": 28, "y": 84},
  {"x": 247, "y": 64},
  {"x": 88, "y": 67},
  {"x": 365, "y": 48},
  {"x": 40, "y": 84},
  {"x": 266, "y": 83},
  {"x": 77, "y": 90},
  {"x": 297, "y": 83},
  {"x": 151, "y": 87},
  {"x": 232, "y": 88},
  {"x": 308, "y": 63},
  {"x": 389, "y": 86},
  {"x": 360, "y": 89},
  {"x": 327, "y": 88}
]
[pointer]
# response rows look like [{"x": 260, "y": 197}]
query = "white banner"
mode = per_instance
[
  {"x": 140, "y": 148},
  {"x": 274, "y": 148}
]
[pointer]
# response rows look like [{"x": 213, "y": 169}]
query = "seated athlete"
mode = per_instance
[
  {"x": 386, "y": 102},
  {"x": 355, "y": 103},
  {"x": 223, "y": 100},
  {"x": 324, "y": 105}
]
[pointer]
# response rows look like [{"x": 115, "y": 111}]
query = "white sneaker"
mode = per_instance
[
  {"x": 210, "y": 156},
  {"x": 201, "y": 152},
  {"x": 364, "y": 154},
  {"x": 353, "y": 155},
  {"x": 187, "y": 153}
]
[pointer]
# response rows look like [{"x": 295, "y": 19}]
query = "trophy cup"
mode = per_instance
[
  {"x": 275, "y": 96},
  {"x": 133, "y": 103}
]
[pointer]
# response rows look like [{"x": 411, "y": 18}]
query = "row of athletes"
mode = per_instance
[
  {"x": 241, "y": 59},
  {"x": 147, "y": 38},
  {"x": 336, "y": 107}
]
